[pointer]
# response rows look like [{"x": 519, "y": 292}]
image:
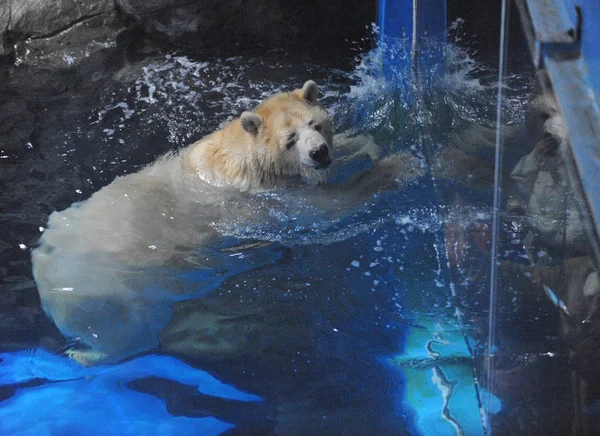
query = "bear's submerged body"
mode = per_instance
[{"x": 109, "y": 268}]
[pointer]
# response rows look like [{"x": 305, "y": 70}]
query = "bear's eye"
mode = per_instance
[
  {"x": 290, "y": 140},
  {"x": 313, "y": 123}
]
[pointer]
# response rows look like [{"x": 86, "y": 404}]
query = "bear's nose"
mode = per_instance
[{"x": 320, "y": 153}]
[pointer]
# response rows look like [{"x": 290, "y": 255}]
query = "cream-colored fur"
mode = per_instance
[
  {"x": 249, "y": 161},
  {"x": 108, "y": 268}
]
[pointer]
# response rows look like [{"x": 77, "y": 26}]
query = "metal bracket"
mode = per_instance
[{"x": 548, "y": 28}]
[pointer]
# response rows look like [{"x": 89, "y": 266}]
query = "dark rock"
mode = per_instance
[
  {"x": 16, "y": 125},
  {"x": 76, "y": 42},
  {"x": 39, "y": 18},
  {"x": 221, "y": 328},
  {"x": 196, "y": 21},
  {"x": 269, "y": 23},
  {"x": 139, "y": 8},
  {"x": 4, "y": 21},
  {"x": 23, "y": 19}
]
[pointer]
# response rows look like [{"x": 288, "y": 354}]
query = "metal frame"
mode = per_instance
[{"x": 555, "y": 44}]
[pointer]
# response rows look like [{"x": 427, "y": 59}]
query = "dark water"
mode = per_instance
[{"x": 358, "y": 327}]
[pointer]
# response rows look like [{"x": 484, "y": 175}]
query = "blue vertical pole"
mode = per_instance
[{"x": 421, "y": 26}]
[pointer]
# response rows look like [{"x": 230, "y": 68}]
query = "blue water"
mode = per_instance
[
  {"x": 100, "y": 400},
  {"x": 354, "y": 327}
]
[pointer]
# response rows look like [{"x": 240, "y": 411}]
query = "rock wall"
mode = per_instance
[
  {"x": 22, "y": 19},
  {"x": 271, "y": 23}
]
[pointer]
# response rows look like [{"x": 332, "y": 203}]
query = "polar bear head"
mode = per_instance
[
  {"x": 291, "y": 133},
  {"x": 286, "y": 137}
]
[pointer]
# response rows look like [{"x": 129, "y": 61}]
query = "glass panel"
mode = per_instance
[{"x": 543, "y": 327}]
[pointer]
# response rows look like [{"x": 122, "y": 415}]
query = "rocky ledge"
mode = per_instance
[{"x": 34, "y": 28}]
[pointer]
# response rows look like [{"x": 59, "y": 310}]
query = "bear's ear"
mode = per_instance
[
  {"x": 310, "y": 91},
  {"x": 251, "y": 122}
]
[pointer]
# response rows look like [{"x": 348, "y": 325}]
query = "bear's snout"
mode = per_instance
[{"x": 320, "y": 155}]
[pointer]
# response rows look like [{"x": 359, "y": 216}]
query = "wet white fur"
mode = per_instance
[{"x": 107, "y": 269}]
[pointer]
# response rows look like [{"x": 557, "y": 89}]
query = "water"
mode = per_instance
[{"x": 353, "y": 326}]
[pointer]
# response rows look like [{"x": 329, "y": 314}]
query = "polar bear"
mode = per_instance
[
  {"x": 109, "y": 268},
  {"x": 553, "y": 208}
]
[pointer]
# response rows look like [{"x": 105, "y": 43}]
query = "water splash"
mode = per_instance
[{"x": 189, "y": 97}]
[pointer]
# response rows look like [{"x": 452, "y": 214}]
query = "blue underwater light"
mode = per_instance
[
  {"x": 70, "y": 399},
  {"x": 440, "y": 389}
]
